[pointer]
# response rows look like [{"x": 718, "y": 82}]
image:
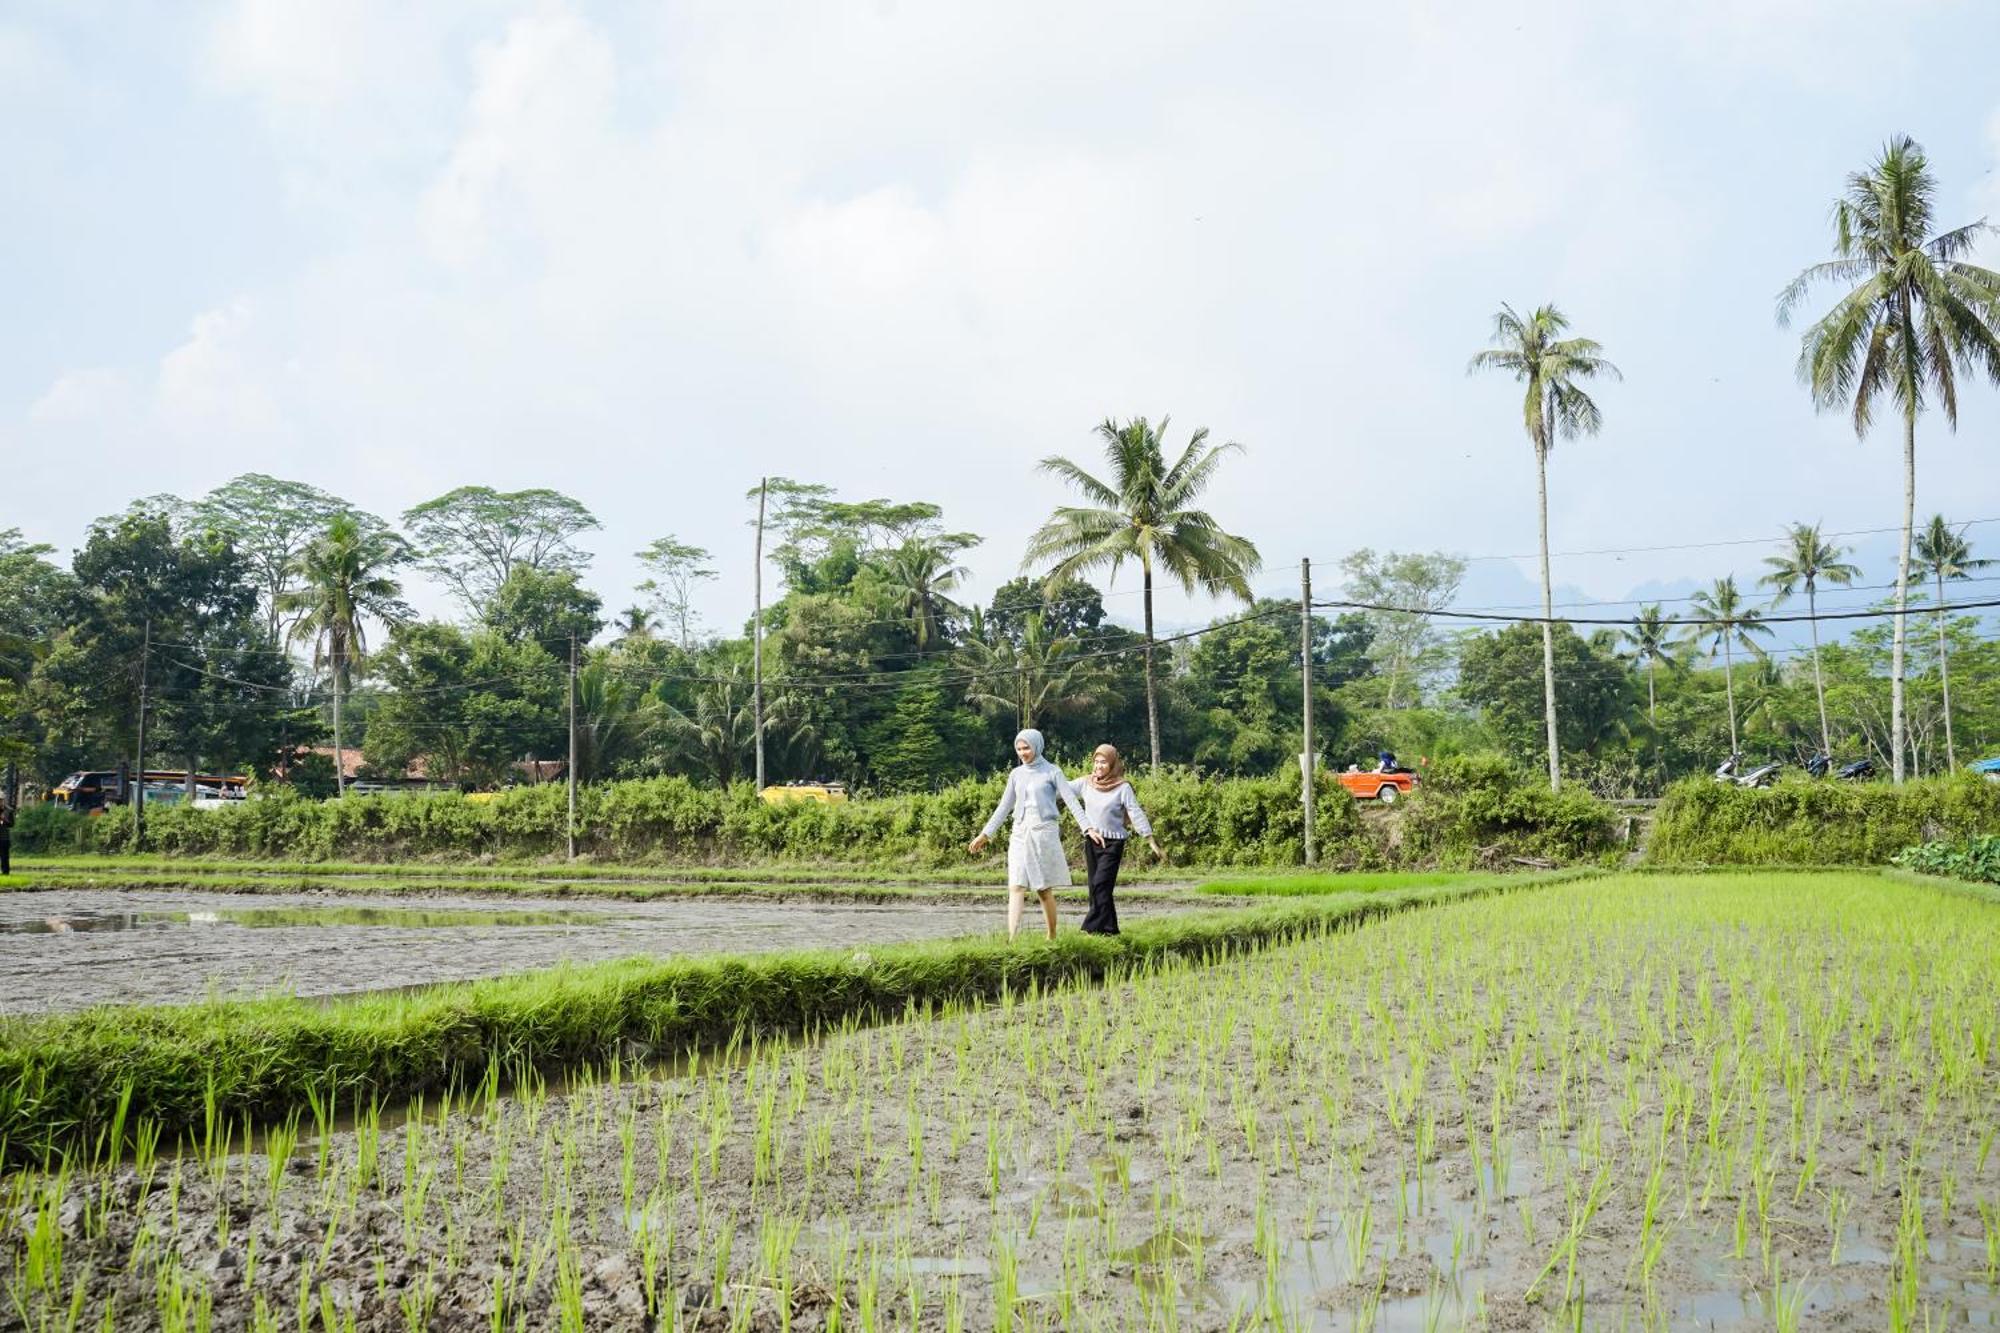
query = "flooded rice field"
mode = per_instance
[{"x": 70, "y": 949}]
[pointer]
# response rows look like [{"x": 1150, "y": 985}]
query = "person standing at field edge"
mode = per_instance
[
  {"x": 6, "y": 838},
  {"x": 1035, "y": 857},
  {"x": 1114, "y": 812}
]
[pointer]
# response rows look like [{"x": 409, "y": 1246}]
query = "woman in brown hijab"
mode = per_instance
[{"x": 1111, "y": 810}]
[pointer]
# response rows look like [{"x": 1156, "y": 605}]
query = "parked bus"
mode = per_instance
[{"x": 94, "y": 791}]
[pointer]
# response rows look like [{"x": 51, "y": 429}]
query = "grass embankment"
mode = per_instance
[
  {"x": 1700, "y": 822},
  {"x": 62, "y": 1079},
  {"x": 1315, "y": 884}
]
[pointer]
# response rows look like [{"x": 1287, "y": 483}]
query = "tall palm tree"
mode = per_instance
[
  {"x": 1143, "y": 513},
  {"x": 923, "y": 575},
  {"x": 1945, "y": 555},
  {"x": 717, "y": 731},
  {"x": 1917, "y": 315},
  {"x": 635, "y": 622},
  {"x": 1040, "y": 677},
  {"x": 610, "y": 724},
  {"x": 1650, "y": 635},
  {"x": 1553, "y": 408},
  {"x": 1718, "y": 614},
  {"x": 345, "y": 581},
  {"x": 1804, "y": 560}
]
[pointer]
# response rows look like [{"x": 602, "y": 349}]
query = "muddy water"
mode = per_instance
[{"x": 72, "y": 949}]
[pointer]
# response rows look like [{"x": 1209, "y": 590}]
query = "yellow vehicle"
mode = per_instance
[{"x": 826, "y": 793}]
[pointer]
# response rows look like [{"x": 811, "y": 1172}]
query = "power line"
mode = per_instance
[{"x": 1496, "y": 618}]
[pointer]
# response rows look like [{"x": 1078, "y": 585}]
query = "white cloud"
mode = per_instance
[{"x": 94, "y": 394}]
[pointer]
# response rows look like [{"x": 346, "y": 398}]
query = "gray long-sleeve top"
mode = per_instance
[
  {"x": 1106, "y": 810},
  {"x": 1031, "y": 796}
]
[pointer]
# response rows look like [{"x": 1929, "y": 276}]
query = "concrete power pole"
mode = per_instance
[
  {"x": 1308, "y": 763},
  {"x": 139, "y": 744},
  {"x": 757, "y": 639},
  {"x": 572, "y": 747}
]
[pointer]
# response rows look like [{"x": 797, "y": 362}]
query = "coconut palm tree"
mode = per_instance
[
  {"x": 1142, "y": 512},
  {"x": 1040, "y": 677},
  {"x": 1650, "y": 636},
  {"x": 635, "y": 622},
  {"x": 718, "y": 729},
  {"x": 1718, "y": 615},
  {"x": 1945, "y": 555},
  {"x": 611, "y": 725},
  {"x": 1915, "y": 316},
  {"x": 344, "y": 582},
  {"x": 1553, "y": 408},
  {"x": 1805, "y": 560},
  {"x": 922, "y": 575}
]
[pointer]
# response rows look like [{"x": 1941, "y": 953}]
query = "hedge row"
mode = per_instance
[
  {"x": 1466, "y": 811},
  {"x": 1702, "y": 822},
  {"x": 63, "y": 1078}
]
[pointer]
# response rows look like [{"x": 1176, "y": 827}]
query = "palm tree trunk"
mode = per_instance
[
  {"x": 1898, "y": 724},
  {"x": 1548, "y": 616},
  {"x": 1729, "y": 687},
  {"x": 1152, "y": 696},
  {"x": 1652, "y": 669},
  {"x": 1944, "y": 679},
  {"x": 1819, "y": 682},
  {"x": 339, "y": 756}
]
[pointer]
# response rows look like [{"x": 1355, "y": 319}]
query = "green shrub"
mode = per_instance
[
  {"x": 52, "y": 829},
  {"x": 1702, "y": 822},
  {"x": 1976, "y": 859},
  {"x": 1481, "y": 811}
]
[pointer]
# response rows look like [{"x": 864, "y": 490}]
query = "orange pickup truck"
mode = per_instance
[{"x": 1388, "y": 788}]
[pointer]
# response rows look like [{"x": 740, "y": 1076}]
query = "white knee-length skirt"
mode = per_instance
[{"x": 1035, "y": 858}]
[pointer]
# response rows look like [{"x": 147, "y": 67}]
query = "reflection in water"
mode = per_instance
[{"x": 260, "y": 918}]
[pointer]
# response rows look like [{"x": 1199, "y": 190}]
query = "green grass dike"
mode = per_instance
[{"x": 89, "y": 1081}]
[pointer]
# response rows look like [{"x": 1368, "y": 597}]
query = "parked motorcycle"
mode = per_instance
[
  {"x": 1820, "y": 765},
  {"x": 1728, "y": 771}
]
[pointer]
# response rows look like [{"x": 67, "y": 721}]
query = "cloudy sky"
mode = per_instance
[{"x": 645, "y": 253}]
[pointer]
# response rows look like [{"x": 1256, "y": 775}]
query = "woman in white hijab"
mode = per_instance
[{"x": 1035, "y": 858}]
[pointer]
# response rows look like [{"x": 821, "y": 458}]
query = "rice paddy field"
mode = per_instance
[{"x": 1717, "y": 1101}]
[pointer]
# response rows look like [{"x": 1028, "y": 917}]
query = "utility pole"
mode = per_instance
[
  {"x": 572, "y": 747},
  {"x": 1308, "y": 762},
  {"x": 139, "y": 743},
  {"x": 757, "y": 635}
]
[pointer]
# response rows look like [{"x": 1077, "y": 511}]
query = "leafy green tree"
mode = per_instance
[
  {"x": 1404, "y": 589},
  {"x": 472, "y": 538},
  {"x": 1719, "y": 615},
  {"x": 1501, "y": 674},
  {"x": 1917, "y": 314},
  {"x": 677, "y": 567},
  {"x": 634, "y": 622},
  {"x": 1649, "y": 637},
  {"x": 1555, "y": 407},
  {"x": 544, "y": 606},
  {"x": 1143, "y": 514},
  {"x": 1945, "y": 556},
  {"x": 1805, "y": 561},
  {"x": 923, "y": 740},
  {"x": 270, "y": 522},
  {"x": 467, "y": 705},
  {"x": 346, "y": 579},
  {"x": 1071, "y": 609}
]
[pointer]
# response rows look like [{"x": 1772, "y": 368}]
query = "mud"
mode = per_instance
[{"x": 70, "y": 949}]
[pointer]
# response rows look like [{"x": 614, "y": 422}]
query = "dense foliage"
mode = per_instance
[
  {"x": 1976, "y": 858},
  {"x": 1817, "y": 823},
  {"x": 1472, "y": 812}
]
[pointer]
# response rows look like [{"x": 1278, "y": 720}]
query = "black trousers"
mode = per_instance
[
  {"x": 1101, "y": 865},
  {"x": 6, "y": 855}
]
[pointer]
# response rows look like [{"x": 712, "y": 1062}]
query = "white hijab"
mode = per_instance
[{"x": 1033, "y": 740}]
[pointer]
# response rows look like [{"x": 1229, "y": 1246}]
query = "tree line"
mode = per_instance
[{"x": 255, "y": 625}]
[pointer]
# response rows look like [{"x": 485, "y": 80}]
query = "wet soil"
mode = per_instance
[
  {"x": 1396, "y": 1128},
  {"x": 70, "y": 949}
]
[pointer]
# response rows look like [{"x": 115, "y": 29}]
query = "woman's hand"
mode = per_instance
[
  {"x": 1095, "y": 837},
  {"x": 1159, "y": 853},
  {"x": 977, "y": 845}
]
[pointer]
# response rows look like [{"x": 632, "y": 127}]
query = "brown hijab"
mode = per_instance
[{"x": 1114, "y": 774}]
